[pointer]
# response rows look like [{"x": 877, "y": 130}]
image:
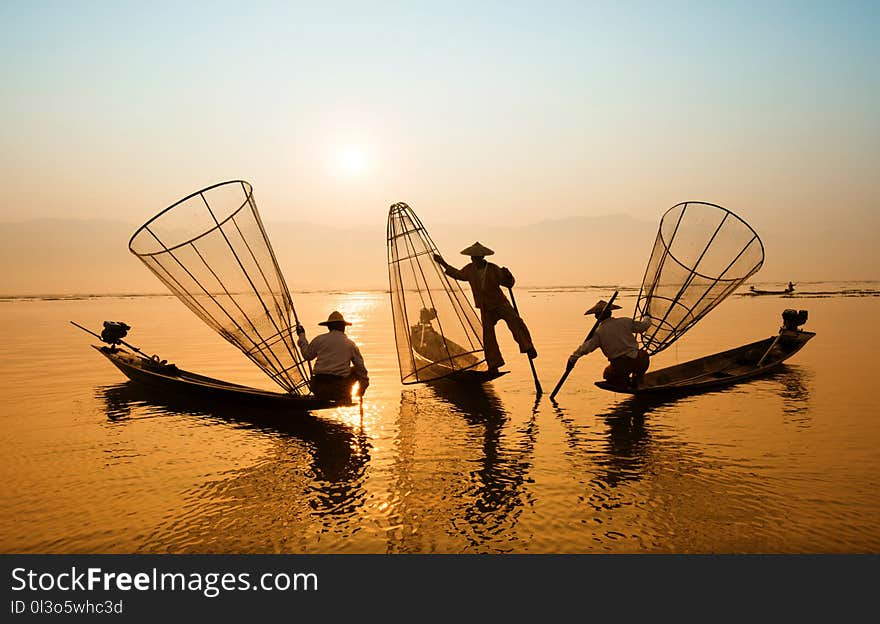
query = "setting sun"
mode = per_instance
[{"x": 352, "y": 160}]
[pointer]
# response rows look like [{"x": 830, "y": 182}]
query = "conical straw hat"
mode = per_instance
[
  {"x": 600, "y": 305},
  {"x": 477, "y": 250},
  {"x": 335, "y": 317}
]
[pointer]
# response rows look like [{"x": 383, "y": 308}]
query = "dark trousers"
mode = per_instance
[
  {"x": 627, "y": 371},
  {"x": 490, "y": 316},
  {"x": 333, "y": 387}
]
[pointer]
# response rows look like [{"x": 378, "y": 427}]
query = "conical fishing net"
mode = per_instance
[
  {"x": 436, "y": 330},
  {"x": 702, "y": 254},
  {"x": 211, "y": 250}
]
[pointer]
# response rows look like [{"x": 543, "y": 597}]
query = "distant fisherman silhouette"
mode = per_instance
[
  {"x": 339, "y": 361},
  {"x": 616, "y": 337},
  {"x": 486, "y": 280}
]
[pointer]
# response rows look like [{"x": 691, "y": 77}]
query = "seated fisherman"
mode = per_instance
[
  {"x": 434, "y": 346},
  {"x": 339, "y": 361}
]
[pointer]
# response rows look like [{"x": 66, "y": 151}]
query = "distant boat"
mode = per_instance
[
  {"x": 758, "y": 291},
  {"x": 728, "y": 367}
]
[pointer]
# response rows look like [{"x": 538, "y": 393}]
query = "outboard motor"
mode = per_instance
[
  {"x": 793, "y": 319},
  {"x": 114, "y": 332}
]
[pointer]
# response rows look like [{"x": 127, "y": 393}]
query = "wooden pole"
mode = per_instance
[
  {"x": 767, "y": 352},
  {"x": 570, "y": 367},
  {"x": 538, "y": 388}
]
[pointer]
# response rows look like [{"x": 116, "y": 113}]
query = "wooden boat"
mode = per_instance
[
  {"x": 475, "y": 374},
  {"x": 759, "y": 291},
  {"x": 720, "y": 369},
  {"x": 172, "y": 381},
  {"x": 212, "y": 251}
]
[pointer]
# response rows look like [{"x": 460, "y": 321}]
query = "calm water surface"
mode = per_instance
[{"x": 784, "y": 464}]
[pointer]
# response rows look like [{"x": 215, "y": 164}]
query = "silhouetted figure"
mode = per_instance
[
  {"x": 434, "y": 346},
  {"x": 627, "y": 363},
  {"x": 339, "y": 361},
  {"x": 486, "y": 280}
]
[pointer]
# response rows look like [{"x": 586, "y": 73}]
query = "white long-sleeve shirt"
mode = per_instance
[
  {"x": 616, "y": 338},
  {"x": 336, "y": 354}
]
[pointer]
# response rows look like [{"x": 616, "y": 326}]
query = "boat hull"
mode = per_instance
[
  {"x": 174, "y": 382},
  {"x": 755, "y": 291},
  {"x": 475, "y": 376},
  {"x": 429, "y": 371},
  {"x": 720, "y": 369}
]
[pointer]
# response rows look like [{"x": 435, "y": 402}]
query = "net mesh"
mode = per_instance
[
  {"x": 436, "y": 330},
  {"x": 702, "y": 253},
  {"x": 211, "y": 250}
]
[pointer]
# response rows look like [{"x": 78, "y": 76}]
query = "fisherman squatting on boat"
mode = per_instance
[{"x": 616, "y": 337}]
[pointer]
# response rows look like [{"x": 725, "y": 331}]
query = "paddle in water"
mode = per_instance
[
  {"x": 570, "y": 367},
  {"x": 538, "y": 388}
]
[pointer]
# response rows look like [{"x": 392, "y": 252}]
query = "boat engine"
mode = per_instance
[
  {"x": 114, "y": 332},
  {"x": 793, "y": 319}
]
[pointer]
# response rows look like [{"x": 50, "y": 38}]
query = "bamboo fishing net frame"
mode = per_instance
[
  {"x": 412, "y": 269},
  {"x": 682, "y": 281},
  {"x": 243, "y": 296}
]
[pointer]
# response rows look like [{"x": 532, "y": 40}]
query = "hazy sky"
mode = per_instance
[{"x": 471, "y": 112}]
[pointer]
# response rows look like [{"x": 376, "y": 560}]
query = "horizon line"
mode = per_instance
[{"x": 384, "y": 290}]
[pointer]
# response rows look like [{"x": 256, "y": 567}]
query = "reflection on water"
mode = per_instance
[
  {"x": 627, "y": 438},
  {"x": 628, "y": 435},
  {"x": 783, "y": 463},
  {"x": 338, "y": 453},
  {"x": 643, "y": 488},
  {"x": 624, "y": 443},
  {"x": 470, "y": 479},
  {"x": 504, "y": 465},
  {"x": 315, "y": 467},
  {"x": 477, "y": 403},
  {"x": 795, "y": 392}
]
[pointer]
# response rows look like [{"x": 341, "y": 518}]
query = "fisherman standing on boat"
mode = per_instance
[
  {"x": 339, "y": 361},
  {"x": 486, "y": 280},
  {"x": 616, "y": 337}
]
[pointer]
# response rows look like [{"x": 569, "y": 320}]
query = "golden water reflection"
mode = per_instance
[
  {"x": 782, "y": 463},
  {"x": 462, "y": 471},
  {"x": 462, "y": 462},
  {"x": 313, "y": 467}
]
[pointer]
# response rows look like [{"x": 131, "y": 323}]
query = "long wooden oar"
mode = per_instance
[
  {"x": 570, "y": 367},
  {"x": 538, "y": 388}
]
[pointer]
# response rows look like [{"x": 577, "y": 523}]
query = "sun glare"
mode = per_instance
[{"x": 352, "y": 160}]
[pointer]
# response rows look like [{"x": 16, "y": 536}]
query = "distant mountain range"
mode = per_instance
[{"x": 70, "y": 256}]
